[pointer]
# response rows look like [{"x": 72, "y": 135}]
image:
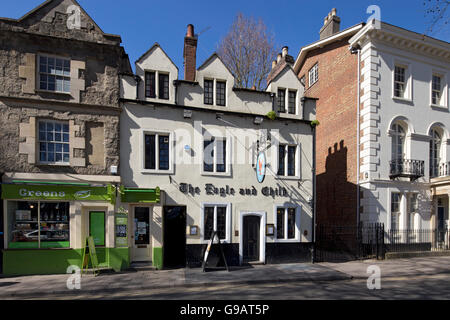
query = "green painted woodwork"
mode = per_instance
[
  {"x": 158, "y": 258},
  {"x": 134, "y": 195}
]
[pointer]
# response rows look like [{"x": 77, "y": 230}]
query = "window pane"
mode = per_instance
[
  {"x": 164, "y": 152},
  {"x": 220, "y": 93},
  {"x": 208, "y": 222},
  {"x": 280, "y": 223},
  {"x": 291, "y": 223},
  {"x": 150, "y": 85},
  {"x": 208, "y": 155},
  {"x": 150, "y": 154},
  {"x": 291, "y": 160},
  {"x": 55, "y": 225},
  {"x": 221, "y": 155},
  {"x": 23, "y": 225},
  {"x": 221, "y": 222},
  {"x": 164, "y": 86},
  {"x": 292, "y": 98},
  {"x": 208, "y": 91},
  {"x": 281, "y": 159},
  {"x": 281, "y": 100}
]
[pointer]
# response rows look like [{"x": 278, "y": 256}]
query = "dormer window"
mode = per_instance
[
  {"x": 218, "y": 97},
  {"x": 152, "y": 87}
]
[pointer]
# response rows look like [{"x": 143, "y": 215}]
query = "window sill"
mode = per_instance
[
  {"x": 216, "y": 174},
  {"x": 437, "y": 106},
  {"x": 286, "y": 240},
  {"x": 287, "y": 177},
  {"x": 54, "y": 92},
  {"x": 65, "y": 164},
  {"x": 161, "y": 172},
  {"x": 402, "y": 99}
]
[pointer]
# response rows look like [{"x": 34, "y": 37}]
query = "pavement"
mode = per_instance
[{"x": 133, "y": 280}]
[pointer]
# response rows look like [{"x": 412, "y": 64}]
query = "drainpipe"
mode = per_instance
[
  {"x": 313, "y": 227},
  {"x": 138, "y": 81},
  {"x": 357, "y": 50}
]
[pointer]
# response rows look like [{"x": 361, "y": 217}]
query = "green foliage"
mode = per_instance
[{"x": 272, "y": 115}]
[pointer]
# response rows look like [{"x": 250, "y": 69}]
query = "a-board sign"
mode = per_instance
[
  {"x": 210, "y": 260},
  {"x": 89, "y": 252}
]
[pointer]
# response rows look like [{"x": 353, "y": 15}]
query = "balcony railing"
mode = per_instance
[
  {"x": 407, "y": 168},
  {"x": 443, "y": 170}
]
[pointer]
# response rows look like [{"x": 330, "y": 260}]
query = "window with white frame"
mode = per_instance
[
  {"x": 286, "y": 223},
  {"x": 413, "y": 210},
  {"x": 54, "y": 74},
  {"x": 292, "y": 102},
  {"x": 216, "y": 217},
  {"x": 398, "y": 142},
  {"x": 215, "y": 155},
  {"x": 395, "y": 210},
  {"x": 314, "y": 74},
  {"x": 287, "y": 160},
  {"x": 400, "y": 81},
  {"x": 54, "y": 142},
  {"x": 437, "y": 90},
  {"x": 157, "y": 151},
  {"x": 435, "y": 152}
]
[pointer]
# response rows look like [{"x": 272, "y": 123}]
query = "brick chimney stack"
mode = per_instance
[
  {"x": 190, "y": 54},
  {"x": 331, "y": 25}
]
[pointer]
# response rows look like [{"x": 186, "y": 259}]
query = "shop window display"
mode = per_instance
[{"x": 38, "y": 224}]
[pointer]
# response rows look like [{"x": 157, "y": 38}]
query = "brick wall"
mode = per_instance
[{"x": 336, "y": 134}]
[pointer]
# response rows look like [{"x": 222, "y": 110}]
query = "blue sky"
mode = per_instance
[{"x": 294, "y": 23}]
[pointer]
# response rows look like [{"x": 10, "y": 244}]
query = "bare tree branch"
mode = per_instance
[
  {"x": 438, "y": 14},
  {"x": 248, "y": 50}
]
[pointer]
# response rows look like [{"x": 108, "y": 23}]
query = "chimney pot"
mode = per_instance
[
  {"x": 285, "y": 51},
  {"x": 274, "y": 63},
  {"x": 279, "y": 56},
  {"x": 190, "y": 31},
  {"x": 331, "y": 25}
]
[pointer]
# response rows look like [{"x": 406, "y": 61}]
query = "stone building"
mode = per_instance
[{"x": 59, "y": 137}]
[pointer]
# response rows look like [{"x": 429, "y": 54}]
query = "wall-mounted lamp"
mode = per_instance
[{"x": 258, "y": 120}]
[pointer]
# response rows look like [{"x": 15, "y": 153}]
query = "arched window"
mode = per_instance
[
  {"x": 398, "y": 142},
  {"x": 435, "y": 152}
]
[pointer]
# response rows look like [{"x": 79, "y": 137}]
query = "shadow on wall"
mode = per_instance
[{"x": 336, "y": 196}]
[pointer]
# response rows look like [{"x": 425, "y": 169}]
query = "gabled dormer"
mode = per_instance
[
  {"x": 216, "y": 81},
  {"x": 155, "y": 73}
]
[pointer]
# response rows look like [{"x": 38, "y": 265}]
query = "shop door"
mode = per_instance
[
  {"x": 97, "y": 227},
  {"x": 174, "y": 237},
  {"x": 141, "y": 237},
  {"x": 251, "y": 238}
]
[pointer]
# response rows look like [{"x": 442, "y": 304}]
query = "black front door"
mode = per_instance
[
  {"x": 251, "y": 238},
  {"x": 174, "y": 237}
]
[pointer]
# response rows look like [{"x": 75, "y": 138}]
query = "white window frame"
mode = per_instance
[
  {"x": 227, "y": 157},
  {"x": 443, "y": 103},
  {"x": 286, "y": 159},
  {"x": 412, "y": 214},
  {"x": 313, "y": 74},
  {"x": 408, "y": 81},
  {"x": 38, "y": 147},
  {"x": 157, "y": 73},
  {"x": 399, "y": 212},
  {"x": 38, "y": 70},
  {"x": 227, "y": 225},
  {"x": 298, "y": 210},
  {"x": 171, "y": 135}
]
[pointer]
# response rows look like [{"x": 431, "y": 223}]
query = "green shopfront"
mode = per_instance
[{"x": 46, "y": 224}]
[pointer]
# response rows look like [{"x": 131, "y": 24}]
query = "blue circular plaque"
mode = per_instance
[{"x": 261, "y": 167}]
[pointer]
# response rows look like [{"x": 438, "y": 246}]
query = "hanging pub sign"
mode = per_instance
[{"x": 261, "y": 167}]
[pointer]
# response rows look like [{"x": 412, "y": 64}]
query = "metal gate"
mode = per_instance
[{"x": 336, "y": 243}]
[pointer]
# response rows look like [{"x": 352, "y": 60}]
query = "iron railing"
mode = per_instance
[
  {"x": 416, "y": 240},
  {"x": 441, "y": 170},
  {"x": 407, "y": 168}
]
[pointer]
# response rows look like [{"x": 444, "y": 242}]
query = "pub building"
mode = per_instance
[
  {"x": 201, "y": 155},
  {"x": 59, "y": 140}
]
